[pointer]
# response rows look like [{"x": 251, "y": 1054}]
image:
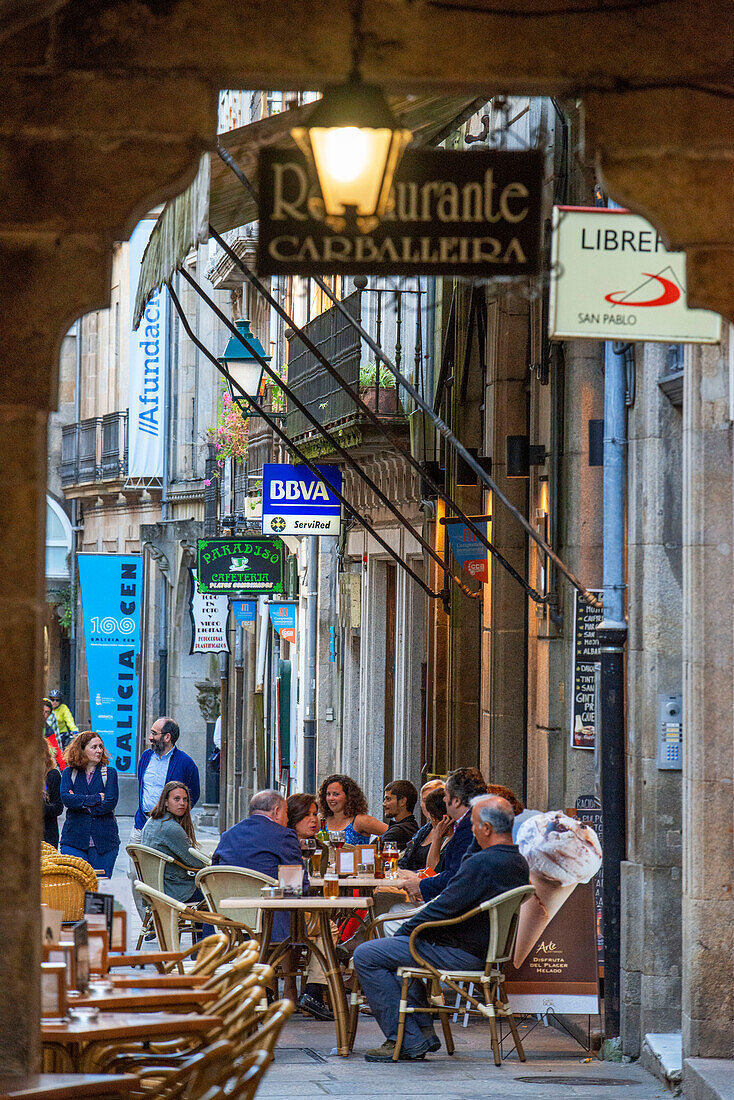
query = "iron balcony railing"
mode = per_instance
[
  {"x": 94, "y": 450},
  {"x": 394, "y": 318}
]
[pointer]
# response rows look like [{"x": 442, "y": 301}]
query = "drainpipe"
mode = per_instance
[
  {"x": 612, "y": 637},
  {"x": 75, "y": 524},
  {"x": 309, "y": 723}
]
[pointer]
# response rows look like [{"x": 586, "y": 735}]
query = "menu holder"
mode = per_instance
[
  {"x": 118, "y": 941},
  {"x": 98, "y": 950},
  {"x": 100, "y": 904},
  {"x": 51, "y": 924},
  {"x": 63, "y": 955},
  {"x": 290, "y": 877},
  {"x": 365, "y": 854},
  {"x": 53, "y": 989},
  {"x": 346, "y": 862},
  {"x": 80, "y": 950}
]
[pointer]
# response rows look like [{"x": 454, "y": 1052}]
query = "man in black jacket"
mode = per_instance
[
  {"x": 493, "y": 870},
  {"x": 397, "y": 806}
]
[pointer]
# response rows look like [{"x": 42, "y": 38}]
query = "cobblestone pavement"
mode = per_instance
[{"x": 305, "y": 1068}]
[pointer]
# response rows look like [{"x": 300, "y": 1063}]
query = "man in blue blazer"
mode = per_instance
[
  {"x": 261, "y": 843},
  {"x": 160, "y": 764}
]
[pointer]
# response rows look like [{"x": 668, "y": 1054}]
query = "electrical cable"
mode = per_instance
[
  {"x": 330, "y": 439},
  {"x": 272, "y": 423},
  {"x": 354, "y": 395}
]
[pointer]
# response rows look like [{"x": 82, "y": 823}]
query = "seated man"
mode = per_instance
[
  {"x": 261, "y": 843},
  {"x": 497, "y": 867},
  {"x": 462, "y": 785},
  {"x": 397, "y": 806}
]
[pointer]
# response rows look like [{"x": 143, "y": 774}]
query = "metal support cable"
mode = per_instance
[
  {"x": 323, "y": 432},
  {"x": 374, "y": 419},
  {"x": 296, "y": 450}
]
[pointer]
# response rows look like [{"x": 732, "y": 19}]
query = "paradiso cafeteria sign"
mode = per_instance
[
  {"x": 612, "y": 278},
  {"x": 453, "y": 213},
  {"x": 247, "y": 566}
]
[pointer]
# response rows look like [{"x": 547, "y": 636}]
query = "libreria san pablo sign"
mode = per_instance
[
  {"x": 453, "y": 213},
  {"x": 247, "y": 566}
]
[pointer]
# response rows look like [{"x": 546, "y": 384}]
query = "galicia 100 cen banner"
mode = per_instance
[{"x": 112, "y": 595}]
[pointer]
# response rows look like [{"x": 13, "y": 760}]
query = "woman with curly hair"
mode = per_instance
[
  {"x": 89, "y": 791},
  {"x": 344, "y": 807}
]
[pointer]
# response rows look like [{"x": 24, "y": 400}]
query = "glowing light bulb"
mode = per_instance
[{"x": 346, "y": 152}]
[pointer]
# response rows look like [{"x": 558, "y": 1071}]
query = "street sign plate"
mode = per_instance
[
  {"x": 240, "y": 566},
  {"x": 297, "y": 502},
  {"x": 612, "y": 278}
]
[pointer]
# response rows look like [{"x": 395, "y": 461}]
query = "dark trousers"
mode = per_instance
[
  {"x": 377, "y": 962},
  {"x": 104, "y": 863}
]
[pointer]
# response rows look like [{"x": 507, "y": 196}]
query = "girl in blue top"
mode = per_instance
[
  {"x": 344, "y": 806},
  {"x": 89, "y": 792}
]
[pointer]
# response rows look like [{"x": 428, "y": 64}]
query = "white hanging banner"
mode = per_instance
[
  {"x": 209, "y": 616},
  {"x": 148, "y": 349}
]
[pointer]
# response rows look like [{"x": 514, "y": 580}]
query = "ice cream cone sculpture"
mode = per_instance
[{"x": 561, "y": 853}]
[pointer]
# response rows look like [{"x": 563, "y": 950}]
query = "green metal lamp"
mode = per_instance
[{"x": 241, "y": 363}]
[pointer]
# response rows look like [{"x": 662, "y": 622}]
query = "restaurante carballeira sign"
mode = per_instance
[{"x": 454, "y": 213}]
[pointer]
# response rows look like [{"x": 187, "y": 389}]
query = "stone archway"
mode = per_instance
[{"x": 107, "y": 105}]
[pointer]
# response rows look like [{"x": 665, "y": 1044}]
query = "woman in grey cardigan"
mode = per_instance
[{"x": 170, "y": 830}]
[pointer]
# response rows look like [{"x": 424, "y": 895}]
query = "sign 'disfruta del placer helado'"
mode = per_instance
[
  {"x": 247, "y": 566},
  {"x": 453, "y": 213}
]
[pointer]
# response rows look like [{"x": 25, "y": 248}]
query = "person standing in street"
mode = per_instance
[
  {"x": 89, "y": 791},
  {"x": 163, "y": 762},
  {"x": 52, "y": 804},
  {"x": 65, "y": 724}
]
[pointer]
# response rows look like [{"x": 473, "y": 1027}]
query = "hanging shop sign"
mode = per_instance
[
  {"x": 612, "y": 278},
  {"x": 283, "y": 618},
  {"x": 252, "y": 565},
  {"x": 244, "y": 611},
  {"x": 297, "y": 502},
  {"x": 209, "y": 616},
  {"x": 469, "y": 552},
  {"x": 112, "y": 593},
  {"x": 148, "y": 349},
  {"x": 586, "y": 663},
  {"x": 454, "y": 213}
]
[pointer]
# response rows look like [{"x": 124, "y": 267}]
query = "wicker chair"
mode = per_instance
[
  {"x": 64, "y": 880},
  {"x": 224, "y": 881}
]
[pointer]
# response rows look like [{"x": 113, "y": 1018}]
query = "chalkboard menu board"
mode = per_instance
[{"x": 586, "y": 657}]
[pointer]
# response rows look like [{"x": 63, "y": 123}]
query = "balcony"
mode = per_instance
[
  {"x": 94, "y": 450},
  {"x": 393, "y": 317}
]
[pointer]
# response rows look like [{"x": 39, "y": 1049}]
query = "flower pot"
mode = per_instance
[{"x": 383, "y": 400}]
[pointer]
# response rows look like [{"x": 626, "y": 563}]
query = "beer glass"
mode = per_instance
[{"x": 331, "y": 885}]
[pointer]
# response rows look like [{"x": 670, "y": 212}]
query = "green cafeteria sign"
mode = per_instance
[{"x": 247, "y": 566}]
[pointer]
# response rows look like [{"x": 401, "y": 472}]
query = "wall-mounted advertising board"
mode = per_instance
[
  {"x": 612, "y": 278},
  {"x": 455, "y": 213},
  {"x": 240, "y": 566}
]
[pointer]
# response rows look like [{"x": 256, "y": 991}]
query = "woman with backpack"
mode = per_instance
[{"x": 89, "y": 792}]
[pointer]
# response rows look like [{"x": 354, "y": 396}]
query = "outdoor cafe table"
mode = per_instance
[
  {"x": 79, "y": 1040},
  {"x": 148, "y": 999},
  {"x": 355, "y": 882},
  {"x": 325, "y": 909},
  {"x": 67, "y": 1086},
  {"x": 157, "y": 981}
]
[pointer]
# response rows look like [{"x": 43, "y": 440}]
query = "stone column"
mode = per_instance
[
  {"x": 22, "y": 607},
  {"x": 651, "y": 875},
  {"x": 708, "y": 709}
]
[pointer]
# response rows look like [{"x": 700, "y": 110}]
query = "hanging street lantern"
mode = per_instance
[
  {"x": 240, "y": 362},
  {"x": 353, "y": 144}
]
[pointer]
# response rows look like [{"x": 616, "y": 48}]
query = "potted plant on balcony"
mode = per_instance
[{"x": 378, "y": 391}]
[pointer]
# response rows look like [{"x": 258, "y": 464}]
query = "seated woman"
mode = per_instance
[
  {"x": 416, "y": 852},
  {"x": 170, "y": 830},
  {"x": 303, "y": 818},
  {"x": 344, "y": 806}
]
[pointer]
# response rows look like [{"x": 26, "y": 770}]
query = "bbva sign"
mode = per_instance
[{"x": 297, "y": 502}]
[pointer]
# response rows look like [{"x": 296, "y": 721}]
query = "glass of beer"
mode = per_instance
[
  {"x": 331, "y": 885},
  {"x": 390, "y": 857}
]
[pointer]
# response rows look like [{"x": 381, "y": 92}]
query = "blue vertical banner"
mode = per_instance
[
  {"x": 112, "y": 597},
  {"x": 245, "y": 611},
  {"x": 470, "y": 553}
]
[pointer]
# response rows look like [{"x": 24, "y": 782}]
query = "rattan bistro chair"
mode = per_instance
[
  {"x": 503, "y": 912},
  {"x": 224, "y": 881}
]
